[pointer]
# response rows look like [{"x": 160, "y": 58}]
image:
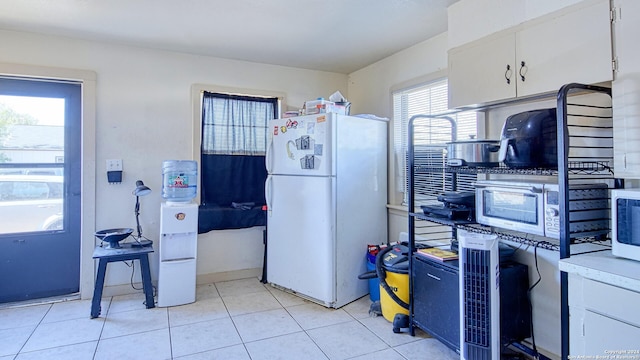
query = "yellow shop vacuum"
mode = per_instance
[{"x": 392, "y": 268}]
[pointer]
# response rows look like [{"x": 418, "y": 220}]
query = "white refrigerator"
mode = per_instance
[{"x": 326, "y": 195}]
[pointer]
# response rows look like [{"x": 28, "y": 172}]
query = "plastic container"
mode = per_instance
[
  {"x": 374, "y": 283},
  {"x": 179, "y": 180},
  {"x": 319, "y": 106}
]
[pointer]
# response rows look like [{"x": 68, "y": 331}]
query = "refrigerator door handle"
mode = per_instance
[
  {"x": 268, "y": 158},
  {"x": 267, "y": 193}
]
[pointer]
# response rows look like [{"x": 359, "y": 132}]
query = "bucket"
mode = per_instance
[
  {"x": 371, "y": 275},
  {"x": 179, "y": 180},
  {"x": 374, "y": 283},
  {"x": 392, "y": 266}
]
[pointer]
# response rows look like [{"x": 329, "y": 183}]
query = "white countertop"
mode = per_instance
[{"x": 604, "y": 267}]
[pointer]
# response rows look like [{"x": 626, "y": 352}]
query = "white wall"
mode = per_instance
[
  {"x": 143, "y": 116},
  {"x": 370, "y": 87}
]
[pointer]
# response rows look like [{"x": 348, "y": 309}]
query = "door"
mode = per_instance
[
  {"x": 40, "y": 165},
  {"x": 301, "y": 235},
  {"x": 300, "y": 145}
]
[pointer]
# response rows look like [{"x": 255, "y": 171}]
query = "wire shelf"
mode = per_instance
[{"x": 575, "y": 167}]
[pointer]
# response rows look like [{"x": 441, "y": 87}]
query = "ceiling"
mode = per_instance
[{"x": 329, "y": 35}]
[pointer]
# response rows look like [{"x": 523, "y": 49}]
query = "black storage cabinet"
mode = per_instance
[{"x": 436, "y": 301}]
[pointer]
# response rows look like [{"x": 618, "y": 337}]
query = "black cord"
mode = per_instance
[
  {"x": 533, "y": 337},
  {"x": 133, "y": 271}
]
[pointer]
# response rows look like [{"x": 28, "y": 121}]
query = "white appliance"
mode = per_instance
[
  {"x": 178, "y": 253},
  {"x": 479, "y": 296},
  {"x": 625, "y": 217},
  {"x": 326, "y": 195}
]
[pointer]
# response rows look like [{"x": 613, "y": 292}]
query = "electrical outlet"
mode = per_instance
[{"x": 114, "y": 164}]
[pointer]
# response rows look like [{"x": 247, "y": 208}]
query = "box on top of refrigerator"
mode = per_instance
[{"x": 322, "y": 106}]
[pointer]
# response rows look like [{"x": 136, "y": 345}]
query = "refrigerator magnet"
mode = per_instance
[{"x": 292, "y": 124}]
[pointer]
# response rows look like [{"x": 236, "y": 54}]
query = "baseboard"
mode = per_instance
[
  {"x": 125, "y": 289},
  {"x": 228, "y": 276}
]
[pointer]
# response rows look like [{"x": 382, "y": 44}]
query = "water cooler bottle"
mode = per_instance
[
  {"x": 178, "y": 235},
  {"x": 178, "y": 250}
]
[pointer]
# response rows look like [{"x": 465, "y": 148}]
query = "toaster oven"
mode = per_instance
[{"x": 534, "y": 208}]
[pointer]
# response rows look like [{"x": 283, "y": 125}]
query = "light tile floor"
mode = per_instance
[{"x": 241, "y": 319}]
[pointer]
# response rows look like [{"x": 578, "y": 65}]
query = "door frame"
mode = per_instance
[{"x": 88, "y": 157}]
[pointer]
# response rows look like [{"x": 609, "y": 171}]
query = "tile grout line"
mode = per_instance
[
  {"x": 169, "y": 329},
  {"x": 33, "y": 331},
  {"x": 104, "y": 322}
]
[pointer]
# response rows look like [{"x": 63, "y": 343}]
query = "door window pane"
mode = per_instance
[{"x": 31, "y": 163}]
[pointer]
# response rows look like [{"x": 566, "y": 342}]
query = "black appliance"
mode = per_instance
[
  {"x": 529, "y": 140},
  {"x": 455, "y": 206}
]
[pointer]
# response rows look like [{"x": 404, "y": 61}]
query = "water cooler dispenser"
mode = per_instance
[{"x": 178, "y": 235}]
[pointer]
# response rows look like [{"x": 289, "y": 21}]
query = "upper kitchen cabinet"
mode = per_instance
[
  {"x": 483, "y": 71},
  {"x": 538, "y": 56},
  {"x": 626, "y": 89}
]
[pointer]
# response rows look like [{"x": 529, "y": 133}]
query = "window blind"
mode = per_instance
[{"x": 429, "y": 140}]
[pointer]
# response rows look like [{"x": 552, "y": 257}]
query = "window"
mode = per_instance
[
  {"x": 427, "y": 99},
  {"x": 232, "y": 162}
]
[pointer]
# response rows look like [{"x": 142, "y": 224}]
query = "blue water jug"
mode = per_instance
[{"x": 179, "y": 180}]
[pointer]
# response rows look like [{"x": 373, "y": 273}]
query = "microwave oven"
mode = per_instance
[
  {"x": 625, "y": 219},
  {"x": 534, "y": 207}
]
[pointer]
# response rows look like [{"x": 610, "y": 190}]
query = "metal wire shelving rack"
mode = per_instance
[{"x": 582, "y": 157}]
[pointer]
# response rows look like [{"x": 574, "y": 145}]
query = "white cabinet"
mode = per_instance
[
  {"x": 571, "y": 45},
  {"x": 604, "y": 293},
  {"x": 602, "y": 318},
  {"x": 626, "y": 89}
]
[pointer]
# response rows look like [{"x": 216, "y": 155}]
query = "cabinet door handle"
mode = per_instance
[
  {"x": 508, "y": 73},
  {"x": 523, "y": 70},
  {"x": 433, "y": 276}
]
